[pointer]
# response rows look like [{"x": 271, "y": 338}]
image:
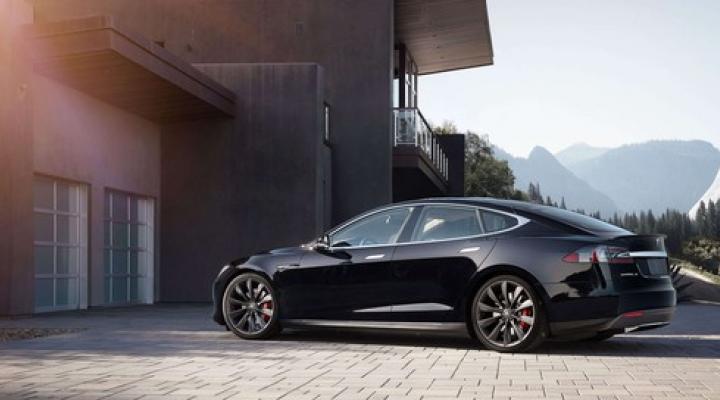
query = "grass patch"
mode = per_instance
[{"x": 694, "y": 268}]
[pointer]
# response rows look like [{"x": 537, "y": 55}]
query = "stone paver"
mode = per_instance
[{"x": 176, "y": 352}]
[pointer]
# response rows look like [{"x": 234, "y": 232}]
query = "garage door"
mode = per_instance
[
  {"x": 60, "y": 252},
  {"x": 129, "y": 244}
]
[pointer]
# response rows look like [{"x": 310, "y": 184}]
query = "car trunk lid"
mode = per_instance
[{"x": 645, "y": 252}]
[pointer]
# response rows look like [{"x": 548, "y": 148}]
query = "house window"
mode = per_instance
[
  {"x": 326, "y": 123},
  {"x": 405, "y": 82},
  {"x": 129, "y": 244},
  {"x": 60, "y": 244},
  {"x": 411, "y": 81}
]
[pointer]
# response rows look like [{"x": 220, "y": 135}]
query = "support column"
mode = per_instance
[{"x": 16, "y": 166}]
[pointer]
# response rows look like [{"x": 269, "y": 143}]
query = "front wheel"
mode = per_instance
[
  {"x": 249, "y": 307},
  {"x": 507, "y": 315}
]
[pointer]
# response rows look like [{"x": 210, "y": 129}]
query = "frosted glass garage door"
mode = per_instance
[
  {"x": 60, "y": 252},
  {"x": 129, "y": 244}
]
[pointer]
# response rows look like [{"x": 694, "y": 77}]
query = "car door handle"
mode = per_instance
[
  {"x": 469, "y": 250},
  {"x": 375, "y": 256}
]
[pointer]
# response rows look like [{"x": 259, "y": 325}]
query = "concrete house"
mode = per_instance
[{"x": 145, "y": 143}]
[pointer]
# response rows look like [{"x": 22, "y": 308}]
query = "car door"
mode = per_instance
[
  {"x": 350, "y": 279},
  {"x": 432, "y": 268}
]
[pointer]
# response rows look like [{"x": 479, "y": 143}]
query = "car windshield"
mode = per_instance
[{"x": 576, "y": 219}]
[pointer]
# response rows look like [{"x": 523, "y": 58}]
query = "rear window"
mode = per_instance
[
  {"x": 438, "y": 223},
  {"x": 576, "y": 219},
  {"x": 494, "y": 222}
]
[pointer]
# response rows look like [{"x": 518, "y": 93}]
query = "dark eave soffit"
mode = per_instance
[
  {"x": 96, "y": 56},
  {"x": 444, "y": 35}
]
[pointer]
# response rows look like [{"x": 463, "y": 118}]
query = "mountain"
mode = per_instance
[
  {"x": 654, "y": 175},
  {"x": 556, "y": 181},
  {"x": 579, "y": 152},
  {"x": 712, "y": 194}
]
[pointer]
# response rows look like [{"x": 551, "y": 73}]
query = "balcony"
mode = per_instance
[
  {"x": 420, "y": 166},
  {"x": 412, "y": 130}
]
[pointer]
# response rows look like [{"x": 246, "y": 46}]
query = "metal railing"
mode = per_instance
[{"x": 411, "y": 129}]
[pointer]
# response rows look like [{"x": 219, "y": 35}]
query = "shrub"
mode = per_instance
[{"x": 703, "y": 252}]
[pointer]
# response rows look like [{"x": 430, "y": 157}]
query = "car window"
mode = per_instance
[
  {"x": 376, "y": 229},
  {"x": 437, "y": 223},
  {"x": 494, "y": 222}
]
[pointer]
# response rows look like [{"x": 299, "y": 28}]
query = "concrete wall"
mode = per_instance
[
  {"x": 352, "y": 40},
  {"x": 233, "y": 187},
  {"x": 79, "y": 138},
  {"x": 16, "y": 213}
]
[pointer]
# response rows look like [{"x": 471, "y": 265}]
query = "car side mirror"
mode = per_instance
[{"x": 323, "y": 243}]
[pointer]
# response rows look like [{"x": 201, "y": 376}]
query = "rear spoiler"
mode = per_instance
[{"x": 641, "y": 244}]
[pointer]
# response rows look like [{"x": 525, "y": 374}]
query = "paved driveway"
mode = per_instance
[{"x": 175, "y": 352}]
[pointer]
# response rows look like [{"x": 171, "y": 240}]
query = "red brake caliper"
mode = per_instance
[
  {"x": 525, "y": 312},
  {"x": 268, "y": 306}
]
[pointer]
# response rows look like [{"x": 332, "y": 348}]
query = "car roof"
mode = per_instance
[
  {"x": 501, "y": 204},
  {"x": 536, "y": 211}
]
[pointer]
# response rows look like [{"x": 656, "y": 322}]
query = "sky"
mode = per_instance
[{"x": 605, "y": 73}]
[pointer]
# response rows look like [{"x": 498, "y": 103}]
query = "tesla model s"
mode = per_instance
[{"x": 508, "y": 273}]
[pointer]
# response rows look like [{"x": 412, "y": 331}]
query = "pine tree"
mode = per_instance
[
  {"x": 642, "y": 223},
  {"x": 650, "y": 222},
  {"x": 564, "y": 207},
  {"x": 677, "y": 226},
  {"x": 711, "y": 220},
  {"x": 539, "y": 193},
  {"x": 717, "y": 219},
  {"x": 532, "y": 192},
  {"x": 700, "y": 219}
]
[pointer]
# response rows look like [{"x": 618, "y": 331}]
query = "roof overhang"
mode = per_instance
[
  {"x": 444, "y": 35},
  {"x": 97, "y": 57}
]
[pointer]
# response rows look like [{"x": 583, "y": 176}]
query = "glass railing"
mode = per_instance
[{"x": 411, "y": 129}]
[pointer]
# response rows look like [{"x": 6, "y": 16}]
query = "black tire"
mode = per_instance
[
  {"x": 246, "y": 316},
  {"x": 518, "y": 315}
]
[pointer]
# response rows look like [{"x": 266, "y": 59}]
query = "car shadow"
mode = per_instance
[
  {"x": 688, "y": 336},
  {"x": 694, "y": 333},
  {"x": 641, "y": 345}
]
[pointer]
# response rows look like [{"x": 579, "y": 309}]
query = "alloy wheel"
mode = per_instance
[
  {"x": 250, "y": 305},
  {"x": 505, "y": 313}
]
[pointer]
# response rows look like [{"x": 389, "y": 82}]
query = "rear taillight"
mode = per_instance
[
  {"x": 598, "y": 254},
  {"x": 633, "y": 314}
]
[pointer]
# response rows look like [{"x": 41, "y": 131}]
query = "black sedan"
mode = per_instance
[{"x": 509, "y": 273}]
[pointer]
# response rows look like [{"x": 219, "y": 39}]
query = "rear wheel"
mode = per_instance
[
  {"x": 507, "y": 315},
  {"x": 249, "y": 307}
]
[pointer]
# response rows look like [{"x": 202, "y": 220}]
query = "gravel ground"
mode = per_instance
[{"x": 7, "y": 334}]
